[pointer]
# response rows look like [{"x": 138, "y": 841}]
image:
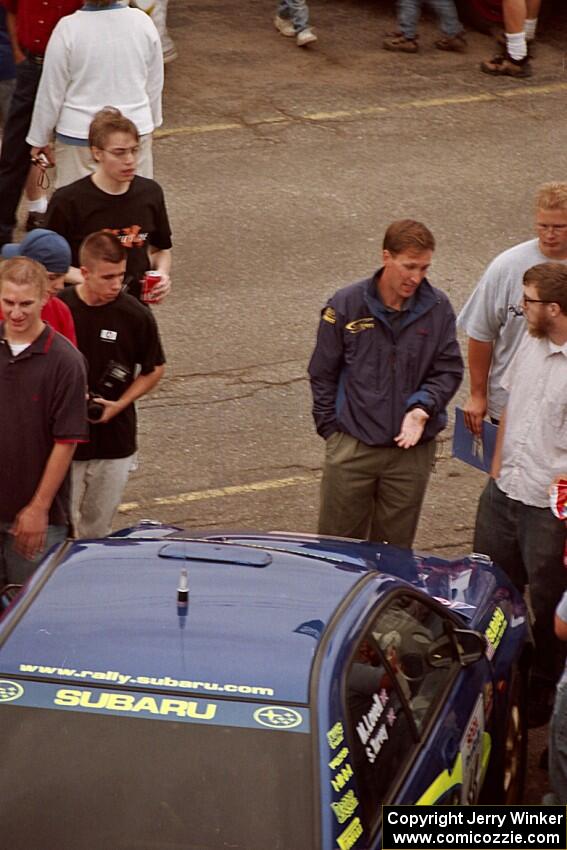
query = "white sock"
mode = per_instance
[
  {"x": 39, "y": 206},
  {"x": 516, "y": 45},
  {"x": 530, "y": 26}
]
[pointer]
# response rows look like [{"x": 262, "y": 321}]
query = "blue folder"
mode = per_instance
[{"x": 476, "y": 451}]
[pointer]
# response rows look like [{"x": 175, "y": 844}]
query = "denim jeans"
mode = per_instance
[
  {"x": 14, "y": 568},
  {"x": 410, "y": 10},
  {"x": 558, "y": 748},
  {"x": 295, "y": 10},
  {"x": 528, "y": 544},
  {"x": 15, "y": 155}
]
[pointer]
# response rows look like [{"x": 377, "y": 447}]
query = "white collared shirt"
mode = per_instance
[{"x": 534, "y": 451}]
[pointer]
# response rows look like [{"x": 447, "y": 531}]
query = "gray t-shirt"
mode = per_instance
[{"x": 486, "y": 315}]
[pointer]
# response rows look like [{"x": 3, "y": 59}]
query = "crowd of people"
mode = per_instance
[
  {"x": 79, "y": 344},
  {"x": 385, "y": 366},
  {"x": 73, "y": 289},
  {"x": 515, "y": 43}
]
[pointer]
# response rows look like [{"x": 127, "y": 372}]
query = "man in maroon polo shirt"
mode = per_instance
[
  {"x": 42, "y": 418},
  {"x": 30, "y": 23}
]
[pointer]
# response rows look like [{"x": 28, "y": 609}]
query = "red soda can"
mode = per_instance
[
  {"x": 150, "y": 281},
  {"x": 558, "y": 504}
]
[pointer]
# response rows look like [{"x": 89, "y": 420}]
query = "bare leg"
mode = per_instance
[{"x": 514, "y": 12}]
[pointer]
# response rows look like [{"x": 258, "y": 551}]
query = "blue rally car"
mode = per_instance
[{"x": 296, "y": 685}]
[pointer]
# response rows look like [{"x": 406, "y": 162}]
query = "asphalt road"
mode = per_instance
[{"x": 282, "y": 167}]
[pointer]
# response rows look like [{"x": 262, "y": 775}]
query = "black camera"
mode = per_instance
[{"x": 110, "y": 386}]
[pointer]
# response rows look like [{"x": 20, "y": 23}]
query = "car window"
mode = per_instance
[
  {"x": 417, "y": 645},
  {"x": 395, "y": 681}
]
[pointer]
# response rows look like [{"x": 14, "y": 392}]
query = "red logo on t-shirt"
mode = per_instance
[{"x": 131, "y": 237}]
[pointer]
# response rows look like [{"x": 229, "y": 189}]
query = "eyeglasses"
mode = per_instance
[
  {"x": 526, "y": 301},
  {"x": 554, "y": 228},
  {"x": 122, "y": 153}
]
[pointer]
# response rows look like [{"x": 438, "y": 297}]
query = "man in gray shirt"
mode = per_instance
[{"x": 491, "y": 317}]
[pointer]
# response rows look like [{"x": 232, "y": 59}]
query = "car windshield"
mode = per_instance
[{"x": 76, "y": 780}]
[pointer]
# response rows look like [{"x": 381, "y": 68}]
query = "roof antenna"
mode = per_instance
[{"x": 183, "y": 599}]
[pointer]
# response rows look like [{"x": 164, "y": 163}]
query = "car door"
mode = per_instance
[{"x": 413, "y": 714}]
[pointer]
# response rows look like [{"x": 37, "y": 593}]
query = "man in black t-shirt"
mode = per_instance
[
  {"x": 114, "y": 198},
  {"x": 120, "y": 341}
]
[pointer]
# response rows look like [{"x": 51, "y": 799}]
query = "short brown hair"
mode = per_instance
[
  {"x": 552, "y": 196},
  {"x": 408, "y": 235},
  {"x": 22, "y": 271},
  {"x": 101, "y": 245},
  {"x": 550, "y": 280},
  {"x": 110, "y": 120}
]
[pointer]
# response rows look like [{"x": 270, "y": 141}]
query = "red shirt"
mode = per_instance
[
  {"x": 35, "y": 20},
  {"x": 59, "y": 317}
]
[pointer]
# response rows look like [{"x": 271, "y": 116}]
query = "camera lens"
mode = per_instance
[{"x": 95, "y": 410}]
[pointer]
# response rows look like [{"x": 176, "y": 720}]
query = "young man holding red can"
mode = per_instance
[{"x": 115, "y": 199}]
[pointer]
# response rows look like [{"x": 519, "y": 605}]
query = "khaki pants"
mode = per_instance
[
  {"x": 373, "y": 492},
  {"x": 96, "y": 491}
]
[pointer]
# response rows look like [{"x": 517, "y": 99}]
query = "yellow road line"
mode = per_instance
[
  {"x": 362, "y": 112},
  {"x": 221, "y": 492}
]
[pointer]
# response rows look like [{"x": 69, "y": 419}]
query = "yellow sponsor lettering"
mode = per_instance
[
  {"x": 350, "y": 836},
  {"x": 345, "y": 807},
  {"x": 359, "y": 325},
  {"x": 336, "y": 735},
  {"x": 339, "y": 758},
  {"x": 146, "y": 704},
  {"x": 342, "y": 777},
  {"x": 207, "y": 714},
  {"x": 173, "y": 706},
  {"x": 496, "y": 628},
  {"x": 127, "y": 702},
  {"x": 67, "y": 697},
  {"x": 118, "y": 702},
  {"x": 89, "y": 701}
]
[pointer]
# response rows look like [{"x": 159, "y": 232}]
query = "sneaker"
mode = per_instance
[
  {"x": 505, "y": 66},
  {"x": 34, "y": 220},
  {"x": 284, "y": 26},
  {"x": 398, "y": 41},
  {"x": 452, "y": 43},
  {"x": 306, "y": 36}
]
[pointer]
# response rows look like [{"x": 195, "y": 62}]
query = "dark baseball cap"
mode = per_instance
[{"x": 46, "y": 247}]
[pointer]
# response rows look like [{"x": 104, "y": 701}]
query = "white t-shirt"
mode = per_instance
[{"x": 487, "y": 316}]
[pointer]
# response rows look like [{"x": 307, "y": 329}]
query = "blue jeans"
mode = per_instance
[
  {"x": 528, "y": 544},
  {"x": 409, "y": 12},
  {"x": 558, "y": 749},
  {"x": 15, "y": 155},
  {"x": 296, "y": 11},
  {"x": 14, "y": 568}
]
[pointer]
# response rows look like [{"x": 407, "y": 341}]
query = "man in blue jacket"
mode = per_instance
[{"x": 385, "y": 366}]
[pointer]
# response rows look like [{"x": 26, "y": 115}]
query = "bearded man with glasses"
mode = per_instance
[
  {"x": 515, "y": 525},
  {"x": 118, "y": 200},
  {"x": 493, "y": 326}
]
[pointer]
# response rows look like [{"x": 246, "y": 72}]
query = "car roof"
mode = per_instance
[{"x": 107, "y": 611}]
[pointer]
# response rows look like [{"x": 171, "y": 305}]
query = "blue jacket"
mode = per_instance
[{"x": 365, "y": 377}]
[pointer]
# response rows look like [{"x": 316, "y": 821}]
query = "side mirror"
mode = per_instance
[{"x": 471, "y": 646}]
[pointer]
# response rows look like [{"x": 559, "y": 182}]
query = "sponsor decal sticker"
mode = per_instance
[
  {"x": 10, "y": 691},
  {"x": 278, "y": 717}
]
